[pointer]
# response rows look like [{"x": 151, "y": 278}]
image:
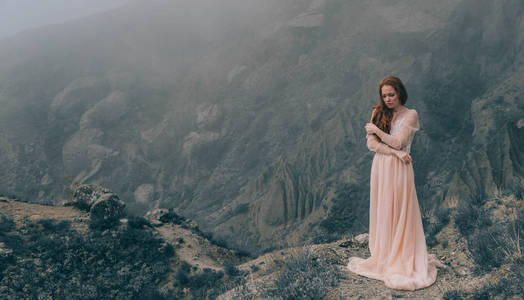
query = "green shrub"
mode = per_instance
[
  {"x": 6, "y": 224},
  {"x": 231, "y": 269},
  {"x": 492, "y": 245},
  {"x": 124, "y": 262},
  {"x": 453, "y": 295},
  {"x": 469, "y": 217},
  {"x": 182, "y": 275},
  {"x": 206, "y": 283},
  {"x": 54, "y": 226},
  {"x": 433, "y": 222},
  {"x": 443, "y": 215},
  {"x": 484, "y": 244},
  {"x": 304, "y": 276},
  {"x": 172, "y": 217},
  {"x": 138, "y": 222},
  {"x": 514, "y": 187}
]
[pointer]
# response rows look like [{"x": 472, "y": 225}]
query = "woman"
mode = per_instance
[{"x": 396, "y": 238}]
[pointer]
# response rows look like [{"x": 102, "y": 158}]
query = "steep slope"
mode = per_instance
[{"x": 53, "y": 251}]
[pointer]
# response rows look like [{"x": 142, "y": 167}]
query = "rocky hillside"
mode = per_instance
[
  {"x": 80, "y": 252},
  {"x": 65, "y": 252},
  {"x": 252, "y": 124}
]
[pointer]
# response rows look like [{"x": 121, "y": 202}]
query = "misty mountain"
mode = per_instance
[
  {"x": 249, "y": 117},
  {"x": 19, "y": 15}
]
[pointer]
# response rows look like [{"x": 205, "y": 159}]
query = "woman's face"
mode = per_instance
[{"x": 390, "y": 96}]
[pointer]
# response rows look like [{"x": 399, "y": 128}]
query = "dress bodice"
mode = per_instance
[
  {"x": 396, "y": 126},
  {"x": 400, "y": 136}
]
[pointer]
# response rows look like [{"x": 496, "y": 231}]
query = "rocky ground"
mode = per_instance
[
  {"x": 455, "y": 272},
  {"x": 260, "y": 274}
]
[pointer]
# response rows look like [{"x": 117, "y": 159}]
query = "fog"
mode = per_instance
[
  {"x": 20, "y": 15},
  {"x": 247, "y": 115}
]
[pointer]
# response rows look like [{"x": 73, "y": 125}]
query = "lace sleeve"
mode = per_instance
[
  {"x": 374, "y": 145},
  {"x": 409, "y": 126}
]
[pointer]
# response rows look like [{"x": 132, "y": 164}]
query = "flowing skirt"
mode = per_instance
[{"x": 396, "y": 238}]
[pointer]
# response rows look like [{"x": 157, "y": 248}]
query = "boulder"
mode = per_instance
[
  {"x": 360, "y": 240},
  {"x": 161, "y": 216},
  {"x": 106, "y": 211},
  {"x": 85, "y": 195},
  {"x": 155, "y": 215}
]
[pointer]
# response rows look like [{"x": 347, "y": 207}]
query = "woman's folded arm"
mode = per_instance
[
  {"x": 398, "y": 141},
  {"x": 376, "y": 146}
]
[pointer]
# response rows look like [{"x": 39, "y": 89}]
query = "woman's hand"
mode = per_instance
[
  {"x": 403, "y": 156},
  {"x": 371, "y": 128}
]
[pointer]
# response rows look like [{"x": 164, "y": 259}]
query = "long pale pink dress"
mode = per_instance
[{"x": 396, "y": 238}]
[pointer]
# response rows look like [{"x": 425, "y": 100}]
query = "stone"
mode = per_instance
[
  {"x": 155, "y": 215},
  {"x": 359, "y": 241},
  {"x": 85, "y": 195},
  {"x": 107, "y": 210},
  {"x": 361, "y": 238},
  {"x": 160, "y": 216},
  {"x": 4, "y": 251}
]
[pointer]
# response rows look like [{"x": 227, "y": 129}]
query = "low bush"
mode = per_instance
[
  {"x": 484, "y": 244},
  {"x": 433, "y": 222},
  {"x": 510, "y": 286},
  {"x": 6, "y": 224},
  {"x": 203, "y": 285},
  {"x": 182, "y": 275},
  {"x": 208, "y": 283},
  {"x": 491, "y": 246},
  {"x": 230, "y": 269},
  {"x": 138, "y": 222},
  {"x": 469, "y": 217},
  {"x": 514, "y": 187},
  {"x": 172, "y": 217},
  {"x": 453, "y": 295},
  {"x": 304, "y": 276},
  {"x": 125, "y": 262}
]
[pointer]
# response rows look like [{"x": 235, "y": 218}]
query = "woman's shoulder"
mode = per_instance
[
  {"x": 412, "y": 118},
  {"x": 412, "y": 112}
]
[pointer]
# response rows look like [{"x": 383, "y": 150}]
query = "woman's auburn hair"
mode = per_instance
[{"x": 382, "y": 115}]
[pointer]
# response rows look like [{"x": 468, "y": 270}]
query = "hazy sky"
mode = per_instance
[{"x": 17, "y": 15}]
